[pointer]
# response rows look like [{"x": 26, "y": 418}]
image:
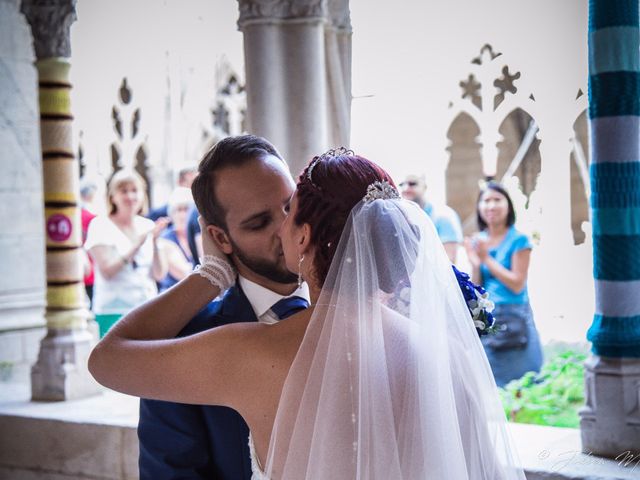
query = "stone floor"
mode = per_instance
[
  {"x": 93, "y": 438},
  {"x": 96, "y": 438}
]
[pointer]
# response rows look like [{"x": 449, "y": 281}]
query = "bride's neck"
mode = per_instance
[{"x": 314, "y": 294}]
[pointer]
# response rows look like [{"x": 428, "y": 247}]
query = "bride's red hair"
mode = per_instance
[{"x": 325, "y": 200}]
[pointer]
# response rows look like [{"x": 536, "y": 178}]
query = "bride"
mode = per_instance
[{"x": 383, "y": 377}]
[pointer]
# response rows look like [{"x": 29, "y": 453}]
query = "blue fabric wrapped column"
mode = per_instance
[{"x": 610, "y": 421}]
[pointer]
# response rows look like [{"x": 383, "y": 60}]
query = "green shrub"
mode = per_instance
[{"x": 551, "y": 397}]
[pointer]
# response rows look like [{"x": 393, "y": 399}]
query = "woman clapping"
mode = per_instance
[{"x": 124, "y": 247}]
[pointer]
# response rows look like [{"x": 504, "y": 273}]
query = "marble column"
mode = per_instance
[
  {"x": 22, "y": 283},
  {"x": 298, "y": 74},
  {"x": 61, "y": 370},
  {"x": 610, "y": 421}
]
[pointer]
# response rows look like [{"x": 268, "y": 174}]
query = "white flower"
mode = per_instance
[
  {"x": 485, "y": 303},
  {"x": 405, "y": 294},
  {"x": 479, "y": 324}
]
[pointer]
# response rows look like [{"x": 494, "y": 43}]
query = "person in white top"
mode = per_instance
[{"x": 124, "y": 247}]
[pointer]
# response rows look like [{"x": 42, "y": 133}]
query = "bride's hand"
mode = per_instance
[{"x": 209, "y": 246}]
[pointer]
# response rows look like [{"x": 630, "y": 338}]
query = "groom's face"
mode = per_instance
[{"x": 254, "y": 197}]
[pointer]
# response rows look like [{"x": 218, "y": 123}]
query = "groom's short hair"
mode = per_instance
[{"x": 230, "y": 151}]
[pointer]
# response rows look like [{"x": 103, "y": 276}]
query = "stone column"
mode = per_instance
[
  {"x": 61, "y": 370},
  {"x": 298, "y": 74},
  {"x": 610, "y": 421},
  {"x": 338, "y": 57},
  {"x": 22, "y": 283}
]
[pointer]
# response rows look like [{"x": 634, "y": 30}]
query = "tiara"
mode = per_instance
[
  {"x": 380, "y": 191},
  {"x": 333, "y": 153}
]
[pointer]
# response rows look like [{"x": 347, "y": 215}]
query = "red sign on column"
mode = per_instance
[{"x": 59, "y": 227}]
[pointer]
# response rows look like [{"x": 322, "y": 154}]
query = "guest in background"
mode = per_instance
[
  {"x": 174, "y": 238},
  {"x": 500, "y": 256},
  {"x": 124, "y": 247},
  {"x": 445, "y": 218},
  {"x": 194, "y": 236},
  {"x": 88, "y": 189},
  {"x": 185, "y": 179}
]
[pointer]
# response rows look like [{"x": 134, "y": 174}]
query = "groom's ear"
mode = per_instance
[{"x": 221, "y": 238}]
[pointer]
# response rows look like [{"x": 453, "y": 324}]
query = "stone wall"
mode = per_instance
[
  {"x": 464, "y": 169},
  {"x": 22, "y": 282}
]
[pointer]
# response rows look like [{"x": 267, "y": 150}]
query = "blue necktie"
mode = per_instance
[{"x": 288, "y": 306}]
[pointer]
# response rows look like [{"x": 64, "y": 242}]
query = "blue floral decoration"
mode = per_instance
[{"x": 477, "y": 299}]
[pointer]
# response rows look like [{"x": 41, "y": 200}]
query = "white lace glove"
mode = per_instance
[
  {"x": 214, "y": 265},
  {"x": 217, "y": 270}
]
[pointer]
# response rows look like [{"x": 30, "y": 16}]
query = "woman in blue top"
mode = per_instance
[{"x": 500, "y": 257}]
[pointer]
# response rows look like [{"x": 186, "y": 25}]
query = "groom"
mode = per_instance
[{"x": 242, "y": 188}]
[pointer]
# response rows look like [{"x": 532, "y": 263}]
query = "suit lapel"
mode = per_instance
[{"x": 236, "y": 307}]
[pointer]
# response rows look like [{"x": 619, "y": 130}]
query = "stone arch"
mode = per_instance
[
  {"x": 579, "y": 186},
  {"x": 514, "y": 129},
  {"x": 464, "y": 169}
]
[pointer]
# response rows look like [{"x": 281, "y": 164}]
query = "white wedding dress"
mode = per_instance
[
  {"x": 390, "y": 381},
  {"x": 256, "y": 469}
]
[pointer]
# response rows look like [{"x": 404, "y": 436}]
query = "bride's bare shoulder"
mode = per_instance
[
  {"x": 257, "y": 340},
  {"x": 261, "y": 355},
  {"x": 285, "y": 336}
]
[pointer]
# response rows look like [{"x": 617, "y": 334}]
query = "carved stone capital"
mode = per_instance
[
  {"x": 255, "y": 11},
  {"x": 339, "y": 14},
  {"x": 50, "y": 22}
]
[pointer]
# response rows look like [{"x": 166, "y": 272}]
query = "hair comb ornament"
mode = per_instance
[
  {"x": 333, "y": 153},
  {"x": 380, "y": 191}
]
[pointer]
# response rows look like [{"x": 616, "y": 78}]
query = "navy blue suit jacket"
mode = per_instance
[{"x": 194, "y": 441}]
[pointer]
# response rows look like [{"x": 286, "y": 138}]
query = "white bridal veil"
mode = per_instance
[{"x": 391, "y": 381}]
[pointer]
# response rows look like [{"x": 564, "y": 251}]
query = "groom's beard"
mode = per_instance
[{"x": 264, "y": 268}]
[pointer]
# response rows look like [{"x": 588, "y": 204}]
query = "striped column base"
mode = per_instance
[
  {"x": 65, "y": 320},
  {"x": 616, "y": 337}
]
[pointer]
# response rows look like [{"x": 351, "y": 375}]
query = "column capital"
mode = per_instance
[
  {"x": 50, "y": 22},
  {"x": 335, "y": 12},
  {"x": 339, "y": 14}
]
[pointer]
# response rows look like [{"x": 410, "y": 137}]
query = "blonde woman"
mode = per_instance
[{"x": 124, "y": 247}]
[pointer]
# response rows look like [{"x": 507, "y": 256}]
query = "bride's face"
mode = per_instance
[{"x": 290, "y": 236}]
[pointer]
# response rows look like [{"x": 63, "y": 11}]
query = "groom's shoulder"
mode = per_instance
[{"x": 213, "y": 315}]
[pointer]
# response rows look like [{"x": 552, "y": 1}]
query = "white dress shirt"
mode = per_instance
[{"x": 261, "y": 299}]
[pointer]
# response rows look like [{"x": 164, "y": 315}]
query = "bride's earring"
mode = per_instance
[{"x": 300, "y": 270}]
